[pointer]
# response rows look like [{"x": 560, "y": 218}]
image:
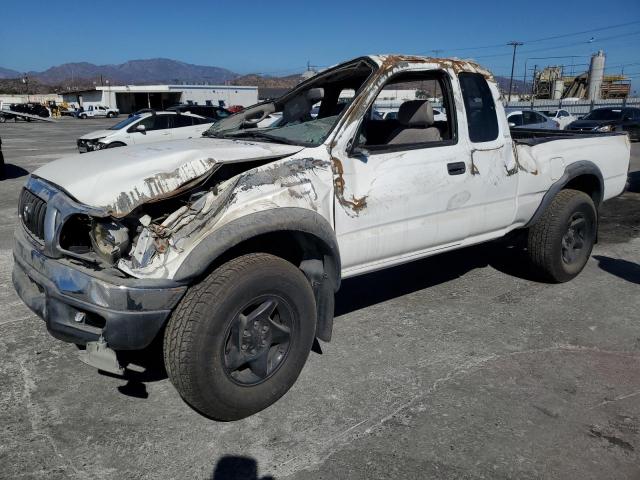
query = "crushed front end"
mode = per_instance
[{"x": 59, "y": 275}]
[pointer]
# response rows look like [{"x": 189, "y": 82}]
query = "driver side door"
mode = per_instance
[{"x": 392, "y": 196}]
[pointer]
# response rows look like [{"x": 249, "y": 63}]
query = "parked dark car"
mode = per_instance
[
  {"x": 209, "y": 111},
  {"x": 608, "y": 120}
]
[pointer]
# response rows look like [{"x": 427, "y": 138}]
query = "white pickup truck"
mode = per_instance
[
  {"x": 229, "y": 248},
  {"x": 97, "y": 111}
]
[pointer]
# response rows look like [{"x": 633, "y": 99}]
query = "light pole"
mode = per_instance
[
  {"x": 515, "y": 45},
  {"x": 108, "y": 93},
  {"x": 25, "y": 80}
]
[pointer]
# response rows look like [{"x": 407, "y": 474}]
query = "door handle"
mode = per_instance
[{"x": 456, "y": 168}]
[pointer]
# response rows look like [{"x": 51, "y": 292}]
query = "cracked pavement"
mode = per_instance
[{"x": 457, "y": 366}]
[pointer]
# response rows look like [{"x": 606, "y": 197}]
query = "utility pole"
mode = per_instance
[
  {"x": 437, "y": 52},
  {"x": 515, "y": 45},
  {"x": 25, "y": 80}
]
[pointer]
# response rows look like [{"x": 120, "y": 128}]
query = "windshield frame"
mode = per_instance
[{"x": 215, "y": 132}]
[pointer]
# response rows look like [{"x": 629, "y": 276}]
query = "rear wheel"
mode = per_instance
[
  {"x": 560, "y": 243},
  {"x": 239, "y": 339}
]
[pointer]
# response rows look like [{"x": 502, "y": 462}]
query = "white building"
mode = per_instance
[{"x": 129, "y": 98}]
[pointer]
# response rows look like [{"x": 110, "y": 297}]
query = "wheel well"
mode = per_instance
[
  {"x": 307, "y": 252},
  {"x": 589, "y": 184},
  {"x": 291, "y": 246}
]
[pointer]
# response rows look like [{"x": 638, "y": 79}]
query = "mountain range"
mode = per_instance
[{"x": 152, "y": 71}]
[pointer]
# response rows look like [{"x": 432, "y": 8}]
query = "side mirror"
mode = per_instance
[
  {"x": 141, "y": 129},
  {"x": 627, "y": 118}
]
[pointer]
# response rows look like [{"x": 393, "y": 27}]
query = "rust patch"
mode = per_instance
[{"x": 355, "y": 204}]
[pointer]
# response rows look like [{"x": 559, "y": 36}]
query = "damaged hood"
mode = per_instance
[
  {"x": 97, "y": 134},
  {"x": 117, "y": 180}
]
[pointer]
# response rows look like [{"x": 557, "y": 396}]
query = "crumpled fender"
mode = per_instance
[{"x": 292, "y": 219}]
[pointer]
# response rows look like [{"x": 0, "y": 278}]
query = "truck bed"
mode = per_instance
[{"x": 532, "y": 136}]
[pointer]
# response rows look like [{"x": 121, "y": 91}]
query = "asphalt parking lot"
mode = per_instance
[{"x": 459, "y": 366}]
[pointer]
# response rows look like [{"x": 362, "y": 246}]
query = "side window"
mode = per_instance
[
  {"x": 529, "y": 117},
  {"x": 163, "y": 122},
  {"x": 480, "y": 108},
  {"x": 516, "y": 119},
  {"x": 539, "y": 118},
  {"x": 414, "y": 125},
  {"x": 146, "y": 121},
  {"x": 563, "y": 113},
  {"x": 184, "y": 121}
]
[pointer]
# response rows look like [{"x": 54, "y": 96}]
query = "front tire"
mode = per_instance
[
  {"x": 560, "y": 243},
  {"x": 238, "y": 340}
]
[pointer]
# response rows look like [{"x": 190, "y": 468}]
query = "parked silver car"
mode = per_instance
[{"x": 529, "y": 119}]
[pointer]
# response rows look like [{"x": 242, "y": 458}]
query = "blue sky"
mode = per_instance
[{"x": 279, "y": 37}]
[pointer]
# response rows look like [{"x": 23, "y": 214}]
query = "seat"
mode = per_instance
[
  {"x": 299, "y": 107},
  {"x": 416, "y": 124}
]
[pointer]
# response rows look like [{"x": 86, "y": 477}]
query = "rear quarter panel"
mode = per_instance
[{"x": 541, "y": 165}]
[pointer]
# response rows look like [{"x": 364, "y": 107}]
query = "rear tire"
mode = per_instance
[
  {"x": 560, "y": 243},
  {"x": 215, "y": 328}
]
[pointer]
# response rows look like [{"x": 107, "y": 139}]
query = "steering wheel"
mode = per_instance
[{"x": 254, "y": 122}]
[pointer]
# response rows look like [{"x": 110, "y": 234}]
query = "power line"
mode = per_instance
[
  {"x": 561, "y": 46},
  {"x": 499, "y": 45},
  {"x": 583, "y": 32}
]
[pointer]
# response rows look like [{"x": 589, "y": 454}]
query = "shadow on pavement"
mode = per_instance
[
  {"x": 629, "y": 271},
  {"x": 507, "y": 256},
  {"x": 231, "y": 467},
  {"x": 12, "y": 171},
  {"x": 361, "y": 292}
]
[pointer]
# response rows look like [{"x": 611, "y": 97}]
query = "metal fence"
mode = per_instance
[{"x": 578, "y": 108}]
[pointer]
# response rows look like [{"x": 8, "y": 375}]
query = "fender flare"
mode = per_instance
[
  {"x": 574, "y": 170},
  {"x": 292, "y": 219}
]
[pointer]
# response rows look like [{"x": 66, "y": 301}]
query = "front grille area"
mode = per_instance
[{"x": 32, "y": 210}]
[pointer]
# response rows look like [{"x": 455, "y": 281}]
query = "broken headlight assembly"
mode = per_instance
[{"x": 110, "y": 240}]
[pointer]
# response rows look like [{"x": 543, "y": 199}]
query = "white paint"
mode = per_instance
[
  {"x": 395, "y": 206},
  {"x": 98, "y": 179}
]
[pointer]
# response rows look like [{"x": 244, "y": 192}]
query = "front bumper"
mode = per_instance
[
  {"x": 89, "y": 145},
  {"x": 79, "y": 304}
]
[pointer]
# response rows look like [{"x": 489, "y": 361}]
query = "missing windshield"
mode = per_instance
[{"x": 305, "y": 116}]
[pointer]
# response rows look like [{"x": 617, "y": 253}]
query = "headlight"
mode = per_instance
[
  {"x": 109, "y": 239},
  {"x": 604, "y": 128}
]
